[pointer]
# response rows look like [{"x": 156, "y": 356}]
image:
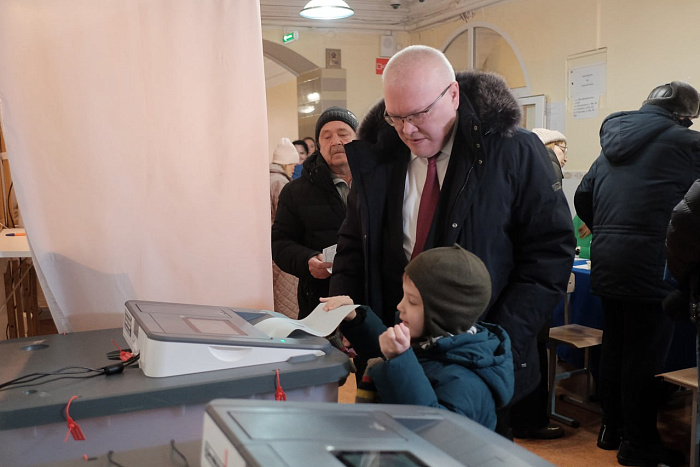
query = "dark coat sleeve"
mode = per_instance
[
  {"x": 288, "y": 249},
  {"x": 683, "y": 237},
  {"x": 583, "y": 199},
  {"x": 363, "y": 332}
]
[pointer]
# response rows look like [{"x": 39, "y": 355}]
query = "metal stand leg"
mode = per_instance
[
  {"x": 585, "y": 402},
  {"x": 694, "y": 431},
  {"x": 552, "y": 385}
]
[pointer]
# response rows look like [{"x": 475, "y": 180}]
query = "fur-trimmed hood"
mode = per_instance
[{"x": 486, "y": 93}]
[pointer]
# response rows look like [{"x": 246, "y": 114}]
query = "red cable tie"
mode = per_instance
[
  {"x": 73, "y": 427},
  {"x": 279, "y": 392},
  {"x": 123, "y": 356}
]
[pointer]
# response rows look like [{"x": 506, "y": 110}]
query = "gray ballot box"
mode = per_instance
[
  {"x": 129, "y": 410},
  {"x": 262, "y": 433}
]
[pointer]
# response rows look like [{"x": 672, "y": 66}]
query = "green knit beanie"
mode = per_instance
[{"x": 455, "y": 287}]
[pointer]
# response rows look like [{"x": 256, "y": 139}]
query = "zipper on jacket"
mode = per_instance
[{"x": 461, "y": 190}]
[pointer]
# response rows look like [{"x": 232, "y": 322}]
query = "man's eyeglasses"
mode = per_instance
[
  {"x": 563, "y": 148},
  {"x": 417, "y": 118}
]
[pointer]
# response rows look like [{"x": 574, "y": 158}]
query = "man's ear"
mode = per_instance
[{"x": 454, "y": 94}]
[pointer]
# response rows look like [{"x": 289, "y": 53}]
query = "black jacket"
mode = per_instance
[
  {"x": 309, "y": 214},
  {"x": 499, "y": 199},
  {"x": 648, "y": 162},
  {"x": 683, "y": 241}
]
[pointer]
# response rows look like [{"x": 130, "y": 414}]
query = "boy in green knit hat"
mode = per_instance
[{"x": 438, "y": 355}]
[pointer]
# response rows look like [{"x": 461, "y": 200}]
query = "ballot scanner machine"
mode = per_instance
[
  {"x": 176, "y": 339},
  {"x": 247, "y": 433},
  {"x": 130, "y": 410}
]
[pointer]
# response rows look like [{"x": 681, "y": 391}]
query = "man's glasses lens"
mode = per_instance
[{"x": 417, "y": 118}]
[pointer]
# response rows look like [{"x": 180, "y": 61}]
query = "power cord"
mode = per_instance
[{"x": 69, "y": 372}]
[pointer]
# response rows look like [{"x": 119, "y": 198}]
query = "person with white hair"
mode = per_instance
[{"x": 449, "y": 164}]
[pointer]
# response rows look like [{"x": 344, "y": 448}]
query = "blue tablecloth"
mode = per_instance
[{"x": 586, "y": 309}]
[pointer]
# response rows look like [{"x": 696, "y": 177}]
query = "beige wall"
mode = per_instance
[
  {"x": 358, "y": 54},
  {"x": 646, "y": 46},
  {"x": 281, "y": 114}
]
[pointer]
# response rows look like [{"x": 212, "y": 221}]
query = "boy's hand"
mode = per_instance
[
  {"x": 334, "y": 302},
  {"x": 395, "y": 341}
]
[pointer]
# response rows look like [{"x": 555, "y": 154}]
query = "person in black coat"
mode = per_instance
[
  {"x": 683, "y": 252},
  {"x": 683, "y": 240},
  {"x": 648, "y": 161},
  {"x": 497, "y": 198},
  {"x": 312, "y": 208}
]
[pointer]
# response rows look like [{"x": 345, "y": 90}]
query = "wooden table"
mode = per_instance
[
  {"x": 688, "y": 379},
  {"x": 20, "y": 285}
]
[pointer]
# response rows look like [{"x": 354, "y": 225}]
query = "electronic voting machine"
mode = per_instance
[{"x": 176, "y": 339}]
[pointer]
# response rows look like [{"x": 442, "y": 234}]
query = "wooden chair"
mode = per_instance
[
  {"x": 580, "y": 337},
  {"x": 688, "y": 379}
]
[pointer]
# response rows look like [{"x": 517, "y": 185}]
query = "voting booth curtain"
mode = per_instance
[{"x": 137, "y": 136}]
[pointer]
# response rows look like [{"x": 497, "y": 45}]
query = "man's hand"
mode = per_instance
[
  {"x": 583, "y": 231},
  {"x": 334, "y": 302},
  {"x": 318, "y": 268},
  {"x": 395, "y": 341}
]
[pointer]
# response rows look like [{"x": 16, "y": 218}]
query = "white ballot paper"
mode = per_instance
[
  {"x": 329, "y": 256},
  {"x": 318, "y": 323}
]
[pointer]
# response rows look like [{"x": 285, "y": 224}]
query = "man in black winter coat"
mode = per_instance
[
  {"x": 498, "y": 198},
  {"x": 648, "y": 161},
  {"x": 312, "y": 208}
]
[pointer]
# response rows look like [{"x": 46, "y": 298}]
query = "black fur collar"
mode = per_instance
[{"x": 486, "y": 93}]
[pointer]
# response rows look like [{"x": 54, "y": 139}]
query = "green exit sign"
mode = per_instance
[{"x": 289, "y": 37}]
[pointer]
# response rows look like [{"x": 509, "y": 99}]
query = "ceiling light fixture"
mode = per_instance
[{"x": 326, "y": 9}]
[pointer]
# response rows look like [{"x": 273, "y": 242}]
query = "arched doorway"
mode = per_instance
[
  {"x": 483, "y": 46},
  {"x": 317, "y": 88}
]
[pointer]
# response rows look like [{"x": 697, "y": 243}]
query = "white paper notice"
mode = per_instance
[
  {"x": 318, "y": 323},
  {"x": 586, "y": 107},
  {"x": 587, "y": 80}
]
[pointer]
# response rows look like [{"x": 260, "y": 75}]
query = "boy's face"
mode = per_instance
[{"x": 411, "y": 308}]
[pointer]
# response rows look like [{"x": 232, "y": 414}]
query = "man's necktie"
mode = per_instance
[{"x": 428, "y": 203}]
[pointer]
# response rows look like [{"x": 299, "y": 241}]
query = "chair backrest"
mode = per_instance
[
  {"x": 572, "y": 283},
  {"x": 570, "y": 287}
]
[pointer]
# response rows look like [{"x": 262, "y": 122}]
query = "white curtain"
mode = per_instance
[{"x": 137, "y": 137}]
